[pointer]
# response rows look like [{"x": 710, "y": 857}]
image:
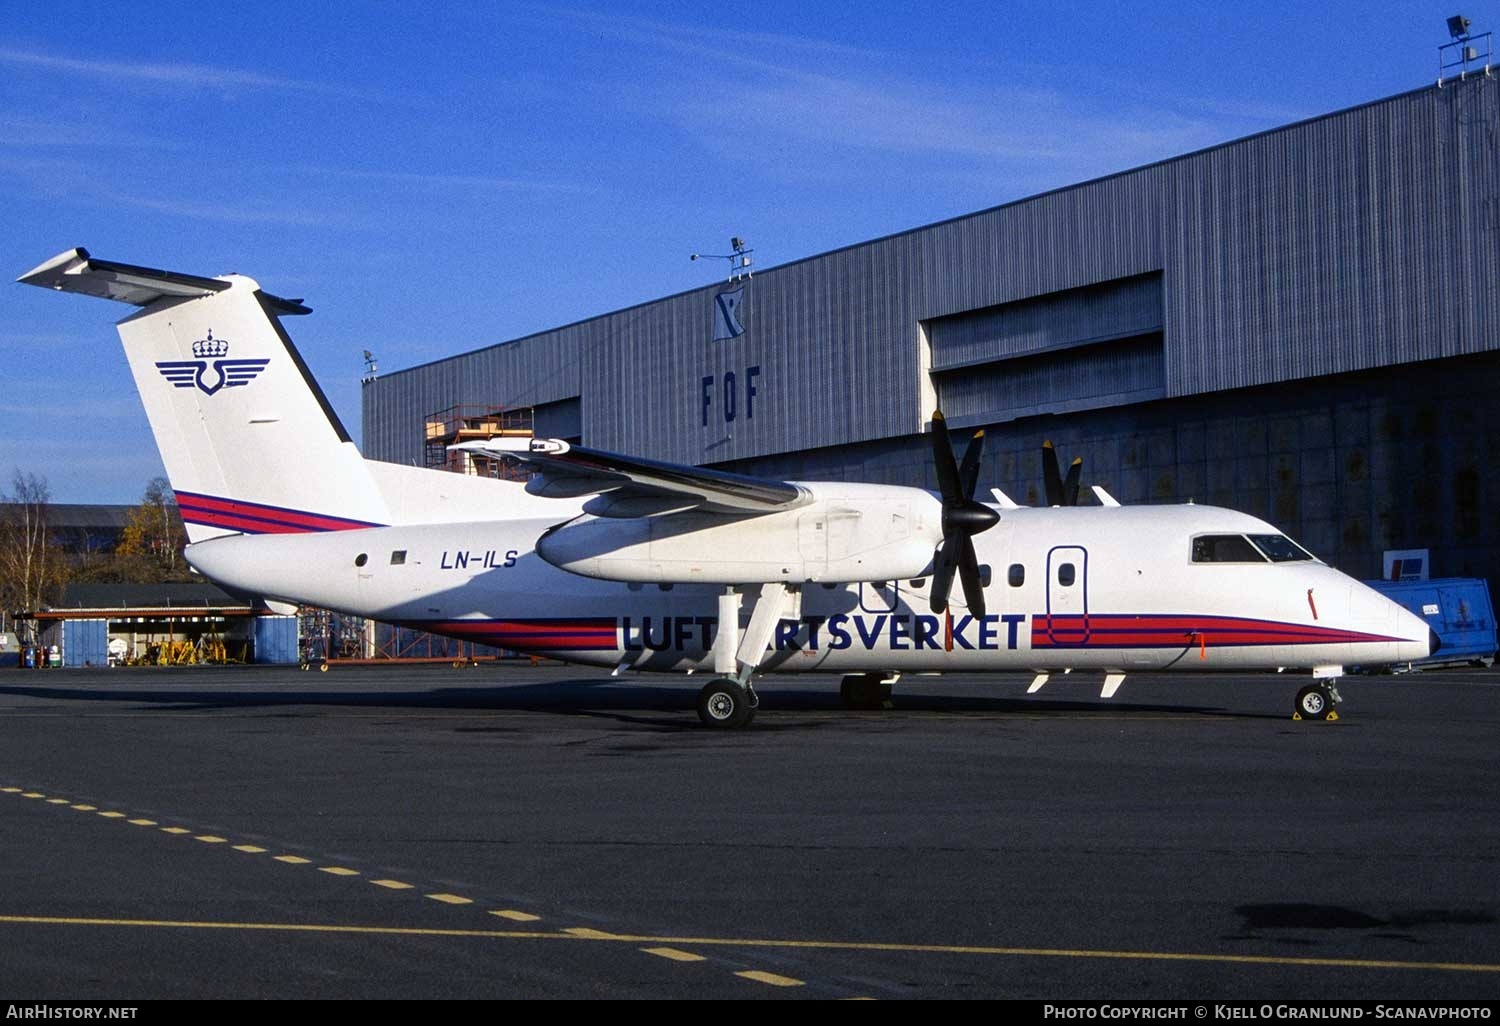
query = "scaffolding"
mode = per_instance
[
  {"x": 326, "y": 638},
  {"x": 459, "y": 424}
]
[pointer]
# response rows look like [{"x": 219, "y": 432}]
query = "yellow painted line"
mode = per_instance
[
  {"x": 514, "y": 916},
  {"x": 117, "y": 815},
  {"x": 293, "y": 860},
  {"x": 584, "y": 934},
  {"x": 338, "y": 871},
  {"x": 33, "y": 794},
  {"x": 86, "y": 808},
  {"x": 394, "y": 885},
  {"x": 451, "y": 899},
  {"x": 771, "y": 978},
  {"x": 674, "y": 954},
  {"x": 175, "y": 830},
  {"x": 211, "y": 839},
  {"x": 57, "y": 801},
  {"x": 251, "y": 848},
  {"x": 141, "y": 822},
  {"x": 185, "y": 924}
]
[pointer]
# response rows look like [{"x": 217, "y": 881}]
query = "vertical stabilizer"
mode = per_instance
[{"x": 249, "y": 441}]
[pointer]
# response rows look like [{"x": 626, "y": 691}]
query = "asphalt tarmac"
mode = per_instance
[{"x": 518, "y": 832}]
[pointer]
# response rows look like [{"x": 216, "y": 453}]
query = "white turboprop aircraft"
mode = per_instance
[{"x": 617, "y": 562}]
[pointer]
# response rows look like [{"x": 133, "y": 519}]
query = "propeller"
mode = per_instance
[
  {"x": 1060, "y": 492},
  {"x": 962, "y": 518}
]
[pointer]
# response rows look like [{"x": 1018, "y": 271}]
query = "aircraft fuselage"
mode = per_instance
[{"x": 1107, "y": 588}]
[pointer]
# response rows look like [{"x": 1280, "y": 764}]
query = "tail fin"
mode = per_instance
[{"x": 249, "y": 441}]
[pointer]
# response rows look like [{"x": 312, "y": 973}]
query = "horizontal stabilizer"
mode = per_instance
[
  {"x": 76, "y": 271},
  {"x": 571, "y": 470}
]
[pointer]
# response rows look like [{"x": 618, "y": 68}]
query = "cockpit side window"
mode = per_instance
[
  {"x": 1225, "y": 548},
  {"x": 1279, "y": 548}
]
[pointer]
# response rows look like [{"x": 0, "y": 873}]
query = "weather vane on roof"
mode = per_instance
[{"x": 739, "y": 260}]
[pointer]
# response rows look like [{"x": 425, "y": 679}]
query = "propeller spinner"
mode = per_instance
[{"x": 962, "y": 518}]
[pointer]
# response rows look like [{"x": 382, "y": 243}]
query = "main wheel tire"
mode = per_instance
[
  {"x": 1314, "y": 702},
  {"x": 865, "y": 691},
  {"x": 724, "y": 704}
]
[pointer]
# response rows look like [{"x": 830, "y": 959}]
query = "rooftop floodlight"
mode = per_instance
[
  {"x": 1458, "y": 26},
  {"x": 736, "y": 243}
]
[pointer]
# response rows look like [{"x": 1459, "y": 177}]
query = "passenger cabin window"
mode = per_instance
[
  {"x": 984, "y": 575},
  {"x": 1017, "y": 575},
  {"x": 1278, "y": 548},
  {"x": 1225, "y": 548},
  {"x": 398, "y": 557},
  {"x": 1066, "y": 574},
  {"x": 361, "y": 559}
]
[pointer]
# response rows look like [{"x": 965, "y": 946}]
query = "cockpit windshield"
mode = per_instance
[
  {"x": 1254, "y": 548},
  {"x": 1279, "y": 548}
]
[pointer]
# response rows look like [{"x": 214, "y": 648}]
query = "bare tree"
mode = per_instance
[
  {"x": 32, "y": 571},
  {"x": 154, "y": 536}
]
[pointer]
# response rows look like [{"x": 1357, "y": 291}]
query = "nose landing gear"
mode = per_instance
[{"x": 1317, "y": 702}]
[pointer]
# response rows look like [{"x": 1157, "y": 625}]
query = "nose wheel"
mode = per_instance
[{"x": 1316, "y": 702}]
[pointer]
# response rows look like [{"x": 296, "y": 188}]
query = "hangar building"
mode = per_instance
[{"x": 1303, "y": 324}]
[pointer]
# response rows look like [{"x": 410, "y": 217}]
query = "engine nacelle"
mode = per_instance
[{"x": 848, "y": 533}]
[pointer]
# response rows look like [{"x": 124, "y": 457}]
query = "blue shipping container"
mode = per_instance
[
  {"x": 85, "y": 643},
  {"x": 276, "y": 640},
  {"x": 1457, "y": 608}
]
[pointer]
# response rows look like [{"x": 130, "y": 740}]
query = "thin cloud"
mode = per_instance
[
  {"x": 196, "y": 76},
  {"x": 824, "y": 95},
  {"x": 203, "y": 211},
  {"x": 30, "y": 132},
  {"x": 444, "y": 180}
]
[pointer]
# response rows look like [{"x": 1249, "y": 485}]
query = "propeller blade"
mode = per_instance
[
  {"x": 1051, "y": 476},
  {"x": 943, "y": 568},
  {"x": 942, "y": 460},
  {"x": 1070, "y": 486},
  {"x": 968, "y": 473},
  {"x": 968, "y": 572}
]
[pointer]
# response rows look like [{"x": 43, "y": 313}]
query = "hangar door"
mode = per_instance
[{"x": 1084, "y": 348}]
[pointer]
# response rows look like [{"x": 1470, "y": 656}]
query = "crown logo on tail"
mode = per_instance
[
  {"x": 210, "y": 348},
  {"x": 226, "y": 373}
]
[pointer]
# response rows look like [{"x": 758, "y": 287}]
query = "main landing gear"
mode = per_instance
[
  {"x": 727, "y": 703},
  {"x": 729, "y": 700},
  {"x": 1317, "y": 701},
  {"x": 867, "y": 690}
]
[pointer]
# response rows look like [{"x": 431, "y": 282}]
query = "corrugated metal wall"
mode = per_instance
[{"x": 1366, "y": 238}]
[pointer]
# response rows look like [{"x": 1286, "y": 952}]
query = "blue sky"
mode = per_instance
[{"x": 434, "y": 178}]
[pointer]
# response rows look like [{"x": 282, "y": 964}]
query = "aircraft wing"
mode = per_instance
[{"x": 630, "y": 486}]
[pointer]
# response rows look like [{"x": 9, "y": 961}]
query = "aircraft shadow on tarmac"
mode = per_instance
[{"x": 606, "y": 697}]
